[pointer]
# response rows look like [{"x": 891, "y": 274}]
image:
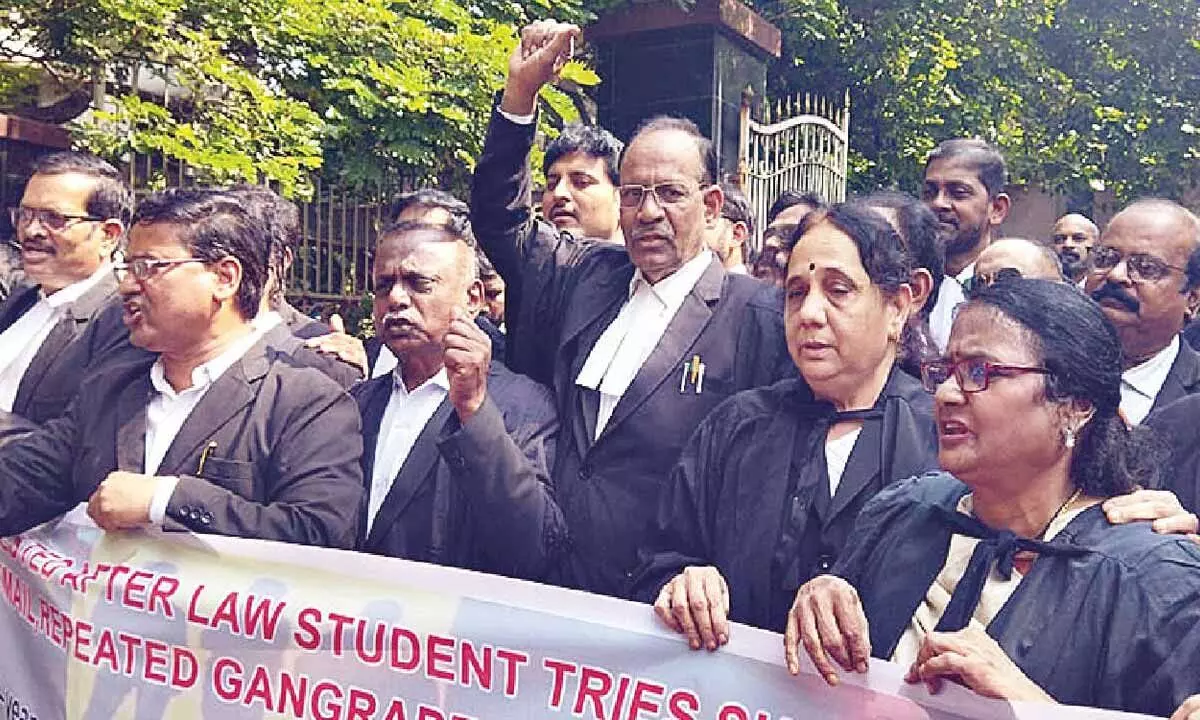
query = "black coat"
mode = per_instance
[
  {"x": 562, "y": 294},
  {"x": 1182, "y": 379},
  {"x": 474, "y": 495},
  {"x": 55, "y": 371},
  {"x": 285, "y": 465},
  {"x": 1117, "y": 628},
  {"x": 754, "y": 476},
  {"x": 1178, "y": 427}
]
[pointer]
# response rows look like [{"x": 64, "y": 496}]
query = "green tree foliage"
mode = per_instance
[
  {"x": 1080, "y": 94},
  {"x": 274, "y": 89}
]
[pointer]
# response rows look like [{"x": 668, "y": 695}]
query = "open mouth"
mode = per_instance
[{"x": 953, "y": 429}]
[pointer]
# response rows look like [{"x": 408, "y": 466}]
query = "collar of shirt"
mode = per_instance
[
  {"x": 440, "y": 380},
  {"x": 672, "y": 289},
  {"x": 207, "y": 373},
  {"x": 966, "y": 274},
  {"x": 76, "y": 290},
  {"x": 266, "y": 321},
  {"x": 1148, "y": 378}
]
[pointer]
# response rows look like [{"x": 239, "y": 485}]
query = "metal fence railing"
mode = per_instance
[{"x": 799, "y": 143}]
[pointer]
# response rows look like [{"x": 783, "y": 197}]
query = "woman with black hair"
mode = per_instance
[
  {"x": 768, "y": 487},
  {"x": 1002, "y": 572}
]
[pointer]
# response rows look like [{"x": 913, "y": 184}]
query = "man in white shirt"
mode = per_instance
[
  {"x": 212, "y": 432},
  {"x": 638, "y": 342},
  {"x": 964, "y": 186},
  {"x": 1146, "y": 276},
  {"x": 457, "y": 448},
  {"x": 72, "y": 216}
]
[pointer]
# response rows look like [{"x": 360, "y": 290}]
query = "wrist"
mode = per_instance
[
  {"x": 518, "y": 99},
  {"x": 468, "y": 407}
]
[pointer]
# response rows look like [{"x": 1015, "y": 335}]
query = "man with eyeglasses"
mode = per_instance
[
  {"x": 72, "y": 216},
  {"x": 213, "y": 430},
  {"x": 727, "y": 237},
  {"x": 1145, "y": 273},
  {"x": 642, "y": 340}
]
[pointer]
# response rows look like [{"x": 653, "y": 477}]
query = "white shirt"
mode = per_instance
[
  {"x": 996, "y": 590},
  {"x": 406, "y": 415},
  {"x": 385, "y": 362},
  {"x": 1140, "y": 384},
  {"x": 837, "y": 454},
  {"x": 168, "y": 410},
  {"x": 22, "y": 340},
  {"x": 941, "y": 317},
  {"x": 625, "y": 344}
]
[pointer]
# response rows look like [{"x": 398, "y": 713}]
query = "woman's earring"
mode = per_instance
[{"x": 1069, "y": 438}]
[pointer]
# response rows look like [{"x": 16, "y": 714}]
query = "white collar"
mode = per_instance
[
  {"x": 1148, "y": 377},
  {"x": 672, "y": 289},
  {"x": 266, "y": 321},
  {"x": 207, "y": 373},
  {"x": 966, "y": 274},
  {"x": 76, "y": 290},
  {"x": 441, "y": 380}
]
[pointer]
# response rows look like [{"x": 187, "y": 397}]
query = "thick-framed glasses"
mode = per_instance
[
  {"x": 1142, "y": 266},
  {"x": 667, "y": 193},
  {"x": 143, "y": 269},
  {"x": 52, "y": 220},
  {"x": 972, "y": 374}
]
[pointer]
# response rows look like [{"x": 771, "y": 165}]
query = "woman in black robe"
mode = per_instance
[
  {"x": 1006, "y": 576},
  {"x": 754, "y": 508}
]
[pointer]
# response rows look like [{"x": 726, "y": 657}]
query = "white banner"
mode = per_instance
[{"x": 152, "y": 625}]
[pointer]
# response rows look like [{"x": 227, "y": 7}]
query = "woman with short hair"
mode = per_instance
[{"x": 1002, "y": 572}]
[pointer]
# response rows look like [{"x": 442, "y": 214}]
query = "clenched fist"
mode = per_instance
[
  {"x": 467, "y": 355},
  {"x": 539, "y": 57},
  {"x": 122, "y": 501}
]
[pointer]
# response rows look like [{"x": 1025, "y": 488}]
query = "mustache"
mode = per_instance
[
  {"x": 1112, "y": 291},
  {"x": 655, "y": 230},
  {"x": 33, "y": 245}
]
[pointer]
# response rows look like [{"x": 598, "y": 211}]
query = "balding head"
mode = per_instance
[
  {"x": 1073, "y": 237},
  {"x": 1030, "y": 259}
]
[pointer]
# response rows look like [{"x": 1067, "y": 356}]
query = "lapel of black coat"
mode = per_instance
[
  {"x": 372, "y": 401},
  {"x": 680, "y": 336},
  {"x": 75, "y": 319},
  {"x": 16, "y": 305},
  {"x": 601, "y": 301},
  {"x": 1182, "y": 379},
  {"x": 862, "y": 468},
  {"x": 131, "y": 423},
  {"x": 414, "y": 474},
  {"x": 227, "y": 397}
]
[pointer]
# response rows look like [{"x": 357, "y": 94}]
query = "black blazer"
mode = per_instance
[
  {"x": 1178, "y": 428},
  {"x": 283, "y": 465},
  {"x": 563, "y": 293},
  {"x": 1183, "y": 379},
  {"x": 474, "y": 495},
  {"x": 55, "y": 371}
]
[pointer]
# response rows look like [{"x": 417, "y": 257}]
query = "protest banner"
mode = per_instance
[{"x": 152, "y": 625}]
